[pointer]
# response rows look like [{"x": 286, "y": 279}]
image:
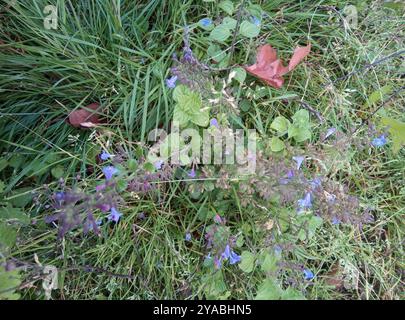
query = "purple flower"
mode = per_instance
[
  {"x": 188, "y": 55},
  {"x": 278, "y": 250},
  {"x": 234, "y": 258},
  {"x": 315, "y": 183},
  {"x": 217, "y": 218},
  {"x": 214, "y": 123},
  {"x": 304, "y": 203},
  {"x": 379, "y": 141},
  {"x": 188, "y": 237},
  {"x": 192, "y": 174},
  {"x": 335, "y": 220},
  {"x": 109, "y": 171},
  {"x": 100, "y": 187},
  {"x": 308, "y": 274},
  {"x": 105, "y": 156},
  {"x": 290, "y": 175},
  {"x": 158, "y": 164},
  {"x": 218, "y": 262},
  {"x": 256, "y": 21},
  {"x": 329, "y": 132},
  {"x": 60, "y": 196},
  {"x": 227, "y": 253},
  {"x": 104, "y": 207},
  {"x": 206, "y": 22},
  {"x": 171, "y": 82},
  {"x": 115, "y": 215},
  {"x": 299, "y": 161}
]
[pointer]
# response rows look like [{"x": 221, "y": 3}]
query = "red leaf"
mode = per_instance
[
  {"x": 299, "y": 54},
  {"x": 84, "y": 117},
  {"x": 270, "y": 69}
]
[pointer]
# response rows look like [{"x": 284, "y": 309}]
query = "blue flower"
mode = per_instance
[
  {"x": 304, "y": 203},
  {"x": 379, "y": 141},
  {"x": 158, "y": 164},
  {"x": 192, "y": 173},
  {"x": 278, "y": 250},
  {"x": 214, "y": 123},
  {"x": 218, "y": 262},
  {"x": 188, "y": 236},
  {"x": 299, "y": 161},
  {"x": 105, "y": 156},
  {"x": 335, "y": 220},
  {"x": 115, "y": 215},
  {"x": 171, "y": 82},
  {"x": 59, "y": 196},
  {"x": 256, "y": 21},
  {"x": 227, "y": 253},
  {"x": 308, "y": 274},
  {"x": 234, "y": 258},
  {"x": 206, "y": 22},
  {"x": 109, "y": 171},
  {"x": 315, "y": 183}
]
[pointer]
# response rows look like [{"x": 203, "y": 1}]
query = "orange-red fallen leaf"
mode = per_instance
[
  {"x": 270, "y": 69},
  {"x": 84, "y": 117}
]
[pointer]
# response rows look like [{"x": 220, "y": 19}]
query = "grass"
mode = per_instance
[{"x": 119, "y": 53}]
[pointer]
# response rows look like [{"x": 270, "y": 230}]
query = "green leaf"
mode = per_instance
[
  {"x": 200, "y": 118},
  {"x": 397, "y": 132},
  {"x": 57, "y": 172},
  {"x": 247, "y": 262},
  {"x": 3, "y": 164},
  {"x": 215, "y": 53},
  {"x": 249, "y": 30},
  {"x": 301, "y": 118},
  {"x": 269, "y": 263},
  {"x": 122, "y": 185},
  {"x": 255, "y": 10},
  {"x": 276, "y": 144},
  {"x": 149, "y": 167},
  {"x": 190, "y": 103},
  {"x": 310, "y": 226},
  {"x": 180, "y": 91},
  {"x": 180, "y": 116},
  {"x": 269, "y": 290},
  {"x": 9, "y": 281},
  {"x": 10, "y": 213},
  {"x": 292, "y": 294},
  {"x": 2, "y": 185},
  {"x": 299, "y": 134},
  {"x": 220, "y": 33},
  {"x": 21, "y": 197},
  {"x": 227, "y": 6},
  {"x": 245, "y": 105},
  {"x": 213, "y": 285},
  {"x": 379, "y": 95},
  {"x": 8, "y": 236},
  {"x": 230, "y": 23},
  {"x": 240, "y": 74},
  {"x": 280, "y": 124},
  {"x": 16, "y": 161},
  {"x": 132, "y": 165}
]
